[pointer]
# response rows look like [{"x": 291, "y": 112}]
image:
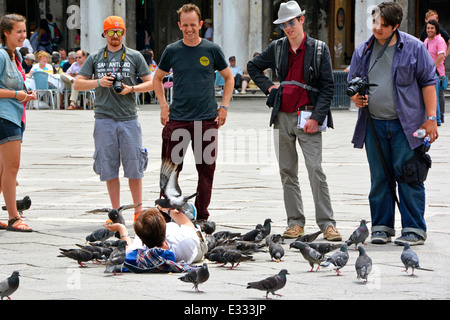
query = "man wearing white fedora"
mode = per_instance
[{"x": 306, "y": 86}]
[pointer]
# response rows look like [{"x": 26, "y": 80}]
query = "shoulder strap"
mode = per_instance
[
  {"x": 278, "y": 48},
  {"x": 318, "y": 51}
]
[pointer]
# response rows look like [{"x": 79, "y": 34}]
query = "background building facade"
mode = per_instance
[{"x": 241, "y": 27}]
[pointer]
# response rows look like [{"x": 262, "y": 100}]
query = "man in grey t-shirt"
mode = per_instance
[
  {"x": 117, "y": 133},
  {"x": 193, "y": 113}
]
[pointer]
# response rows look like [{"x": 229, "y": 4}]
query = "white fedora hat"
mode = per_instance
[{"x": 288, "y": 11}]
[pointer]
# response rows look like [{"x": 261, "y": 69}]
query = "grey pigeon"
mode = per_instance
[
  {"x": 234, "y": 257},
  {"x": 102, "y": 251},
  {"x": 22, "y": 205},
  {"x": 276, "y": 251},
  {"x": 248, "y": 246},
  {"x": 220, "y": 235},
  {"x": 265, "y": 229},
  {"x": 270, "y": 284},
  {"x": 324, "y": 247},
  {"x": 197, "y": 276},
  {"x": 410, "y": 259},
  {"x": 311, "y": 255},
  {"x": 216, "y": 254},
  {"x": 274, "y": 238},
  {"x": 252, "y": 235},
  {"x": 309, "y": 237},
  {"x": 338, "y": 259},
  {"x": 359, "y": 235},
  {"x": 117, "y": 258},
  {"x": 363, "y": 264},
  {"x": 115, "y": 215},
  {"x": 208, "y": 227},
  {"x": 170, "y": 189},
  {"x": 101, "y": 234},
  {"x": 79, "y": 255},
  {"x": 9, "y": 285}
]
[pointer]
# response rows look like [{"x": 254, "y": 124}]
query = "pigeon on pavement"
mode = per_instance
[
  {"x": 311, "y": 255},
  {"x": 79, "y": 255},
  {"x": 309, "y": 237},
  {"x": 22, "y": 205},
  {"x": 338, "y": 259},
  {"x": 359, "y": 235},
  {"x": 363, "y": 264},
  {"x": 324, "y": 247},
  {"x": 276, "y": 251},
  {"x": 410, "y": 259},
  {"x": 9, "y": 285},
  {"x": 102, "y": 251},
  {"x": 270, "y": 284},
  {"x": 117, "y": 258},
  {"x": 234, "y": 257},
  {"x": 208, "y": 227},
  {"x": 197, "y": 276},
  {"x": 265, "y": 228},
  {"x": 170, "y": 189}
]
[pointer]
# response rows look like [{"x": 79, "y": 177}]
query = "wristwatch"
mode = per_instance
[{"x": 432, "y": 118}]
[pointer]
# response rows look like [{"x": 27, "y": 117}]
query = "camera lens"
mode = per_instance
[{"x": 352, "y": 90}]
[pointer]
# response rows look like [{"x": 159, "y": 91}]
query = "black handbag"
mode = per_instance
[{"x": 416, "y": 169}]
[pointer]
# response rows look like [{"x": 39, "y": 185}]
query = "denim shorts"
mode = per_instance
[
  {"x": 10, "y": 131},
  {"x": 116, "y": 142}
]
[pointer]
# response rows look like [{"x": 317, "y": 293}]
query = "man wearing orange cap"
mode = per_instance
[{"x": 117, "y": 133}]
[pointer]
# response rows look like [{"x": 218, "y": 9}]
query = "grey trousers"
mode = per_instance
[{"x": 286, "y": 136}]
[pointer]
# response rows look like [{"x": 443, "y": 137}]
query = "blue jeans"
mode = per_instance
[
  {"x": 396, "y": 151},
  {"x": 438, "y": 108}
]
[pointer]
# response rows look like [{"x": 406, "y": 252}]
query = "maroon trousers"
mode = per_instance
[{"x": 176, "y": 137}]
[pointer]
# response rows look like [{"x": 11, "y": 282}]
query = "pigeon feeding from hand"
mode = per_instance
[
  {"x": 101, "y": 234},
  {"x": 410, "y": 259},
  {"x": 9, "y": 285},
  {"x": 359, "y": 235},
  {"x": 170, "y": 189},
  {"x": 338, "y": 259},
  {"x": 363, "y": 264},
  {"x": 270, "y": 284},
  {"x": 79, "y": 255},
  {"x": 197, "y": 276},
  {"x": 115, "y": 215},
  {"x": 22, "y": 205}
]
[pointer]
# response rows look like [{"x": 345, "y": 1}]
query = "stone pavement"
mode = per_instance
[{"x": 56, "y": 172}]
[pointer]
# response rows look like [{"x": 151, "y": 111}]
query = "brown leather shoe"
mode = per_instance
[
  {"x": 293, "y": 232},
  {"x": 332, "y": 234}
]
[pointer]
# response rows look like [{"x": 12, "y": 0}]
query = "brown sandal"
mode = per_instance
[{"x": 20, "y": 227}]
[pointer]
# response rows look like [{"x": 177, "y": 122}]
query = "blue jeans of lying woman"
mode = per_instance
[{"x": 396, "y": 151}]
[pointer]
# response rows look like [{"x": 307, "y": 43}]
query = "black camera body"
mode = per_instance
[
  {"x": 358, "y": 86},
  {"x": 117, "y": 82}
]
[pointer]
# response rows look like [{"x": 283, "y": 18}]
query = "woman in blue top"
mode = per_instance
[{"x": 12, "y": 35}]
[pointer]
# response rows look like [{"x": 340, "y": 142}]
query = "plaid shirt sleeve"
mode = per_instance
[{"x": 153, "y": 260}]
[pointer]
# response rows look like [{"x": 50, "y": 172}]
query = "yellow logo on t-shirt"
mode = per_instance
[{"x": 204, "y": 61}]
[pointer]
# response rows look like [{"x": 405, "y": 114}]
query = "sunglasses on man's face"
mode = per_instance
[
  {"x": 111, "y": 33},
  {"x": 289, "y": 24}
]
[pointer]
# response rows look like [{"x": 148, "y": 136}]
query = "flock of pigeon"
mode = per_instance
[{"x": 224, "y": 247}]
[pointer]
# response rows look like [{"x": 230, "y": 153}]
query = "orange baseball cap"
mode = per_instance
[{"x": 113, "y": 22}]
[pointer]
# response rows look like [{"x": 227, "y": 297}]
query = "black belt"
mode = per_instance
[{"x": 305, "y": 108}]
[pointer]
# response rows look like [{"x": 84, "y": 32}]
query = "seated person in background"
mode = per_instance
[
  {"x": 178, "y": 241},
  {"x": 69, "y": 77},
  {"x": 42, "y": 58},
  {"x": 247, "y": 82},
  {"x": 27, "y": 62},
  {"x": 237, "y": 73},
  {"x": 64, "y": 58},
  {"x": 71, "y": 59},
  {"x": 56, "y": 60}
]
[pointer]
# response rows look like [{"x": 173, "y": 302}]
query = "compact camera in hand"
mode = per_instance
[{"x": 358, "y": 86}]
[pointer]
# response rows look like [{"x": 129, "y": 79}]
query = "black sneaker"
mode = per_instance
[
  {"x": 380, "y": 237},
  {"x": 412, "y": 238}
]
